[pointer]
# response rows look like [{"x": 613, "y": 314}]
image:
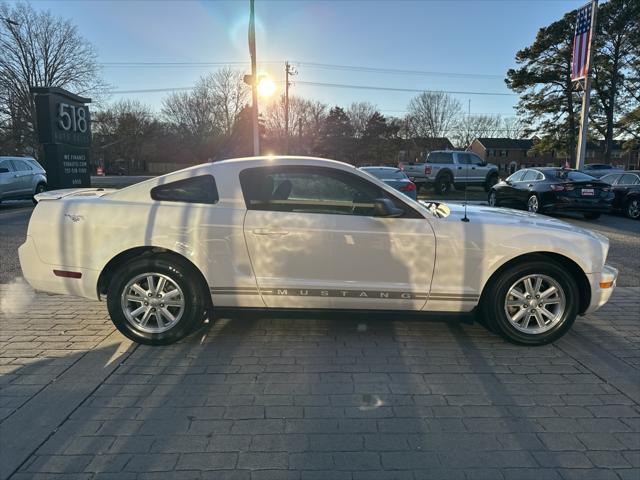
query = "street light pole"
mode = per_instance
[{"x": 254, "y": 80}]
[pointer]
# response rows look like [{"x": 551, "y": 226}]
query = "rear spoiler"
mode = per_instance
[{"x": 72, "y": 192}]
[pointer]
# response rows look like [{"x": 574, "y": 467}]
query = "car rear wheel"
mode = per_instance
[
  {"x": 531, "y": 304},
  {"x": 632, "y": 208},
  {"x": 591, "y": 216},
  {"x": 443, "y": 185},
  {"x": 155, "y": 300}
]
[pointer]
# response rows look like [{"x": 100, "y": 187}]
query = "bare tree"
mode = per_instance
[
  {"x": 474, "y": 126},
  {"x": 38, "y": 49},
  {"x": 512, "y": 127},
  {"x": 127, "y": 130},
  {"x": 229, "y": 94},
  {"x": 211, "y": 108},
  {"x": 433, "y": 114},
  {"x": 359, "y": 114}
]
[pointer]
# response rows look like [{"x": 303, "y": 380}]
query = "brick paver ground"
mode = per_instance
[{"x": 343, "y": 398}]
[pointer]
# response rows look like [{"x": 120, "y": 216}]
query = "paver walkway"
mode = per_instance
[{"x": 349, "y": 397}]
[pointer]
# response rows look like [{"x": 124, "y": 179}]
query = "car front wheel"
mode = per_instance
[
  {"x": 155, "y": 300},
  {"x": 632, "y": 208},
  {"x": 493, "y": 199},
  {"x": 533, "y": 204},
  {"x": 531, "y": 304}
]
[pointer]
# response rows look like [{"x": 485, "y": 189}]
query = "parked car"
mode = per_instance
[
  {"x": 626, "y": 187},
  {"x": 446, "y": 168},
  {"x": 547, "y": 190},
  {"x": 394, "y": 177},
  {"x": 307, "y": 234},
  {"x": 21, "y": 178},
  {"x": 598, "y": 170}
]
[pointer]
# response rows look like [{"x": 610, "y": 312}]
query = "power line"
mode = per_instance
[
  {"x": 330, "y": 85},
  {"x": 316, "y": 65},
  {"x": 396, "y": 89},
  {"x": 395, "y": 71}
]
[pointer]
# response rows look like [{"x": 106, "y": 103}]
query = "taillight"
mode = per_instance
[
  {"x": 561, "y": 188},
  {"x": 409, "y": 187},
  {"x": 427, "y": 169}
]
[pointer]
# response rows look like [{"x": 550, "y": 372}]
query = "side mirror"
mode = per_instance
[
  {"x": 384, "y": 207},
  {"x": 4, "y": 170}
]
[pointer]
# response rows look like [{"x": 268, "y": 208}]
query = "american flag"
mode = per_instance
[{"x": 581, "y": 44}]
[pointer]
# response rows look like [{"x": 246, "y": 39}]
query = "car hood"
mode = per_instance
[{"x": 517, "y": 219}]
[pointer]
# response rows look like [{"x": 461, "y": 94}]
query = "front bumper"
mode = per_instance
[
  {"x": 40, "y": 274},
  {"x": 599, "y": 295}
]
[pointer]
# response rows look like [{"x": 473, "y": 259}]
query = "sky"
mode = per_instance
[{"x": 460, "y": 45}]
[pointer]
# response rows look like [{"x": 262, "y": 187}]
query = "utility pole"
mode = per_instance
[
  {"x": 288, "y": 70},
  {"x": 586, "y": 95},
  {"x": 254, "y": 80}
]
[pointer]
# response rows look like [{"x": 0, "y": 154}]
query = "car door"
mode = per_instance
[
  {"x": 24, "y": 177},
  {"x": 479, "y": 167},
  {"x": 315, "y": 241},
  {"x": 508, "y": 193},
  {"x": 463, "y": 172},
  {"x": 526, "y": 186},
  {"x": 8, "y": 180}
]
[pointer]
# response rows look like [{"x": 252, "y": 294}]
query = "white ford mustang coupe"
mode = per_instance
[{"x": 307, "y": 233}]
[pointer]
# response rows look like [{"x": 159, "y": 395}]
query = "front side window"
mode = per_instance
[
  {"x": 310, "y": 190},
  {"x": 516, "y": 177},
  {"x": 629, "y": 179},
  {"x": 200, "y": 189},
  {"x": 530, "y": 176}
]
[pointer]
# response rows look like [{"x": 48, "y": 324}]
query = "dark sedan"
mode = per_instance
[
  {"x": 394, "y": 177},
  {"x": 626, "y": 187},
  {"x": 546, "y": 190}
]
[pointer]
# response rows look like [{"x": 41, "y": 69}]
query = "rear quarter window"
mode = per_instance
[
  {"x": 440, "y": 157},
  {"x": 200, "y": 189}
]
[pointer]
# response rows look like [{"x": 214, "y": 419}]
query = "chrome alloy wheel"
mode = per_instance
[
  {"x": 633, "y": 209},
  {"x": 535, "y": 304},
  {"x": 152, "y": 302},
  {"x": 492, "y": 199},
  {"x": 532, "y": 204}
]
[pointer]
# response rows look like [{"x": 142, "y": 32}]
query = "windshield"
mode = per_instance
[{"x": 386, "y": 173}]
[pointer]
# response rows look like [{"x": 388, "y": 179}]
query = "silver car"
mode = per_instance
[{"x": 21, "y": 178}]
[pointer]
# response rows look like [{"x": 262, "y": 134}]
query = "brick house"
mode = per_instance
[{"x": 511, "y": 154}]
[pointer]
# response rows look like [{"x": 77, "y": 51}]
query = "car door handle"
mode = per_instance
[
  {"x": 268, "y": 231},
  {"x": 459, "y": 168},
  {"x": 530, "y": 185}
]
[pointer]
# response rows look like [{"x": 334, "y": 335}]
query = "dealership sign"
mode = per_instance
[{"x": 64, "y": 130}]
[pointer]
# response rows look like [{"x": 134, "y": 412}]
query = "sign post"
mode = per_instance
[{"x": 64, "y": 130}]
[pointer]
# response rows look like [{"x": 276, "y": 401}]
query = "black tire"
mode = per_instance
[
  {"x": 443, "y": 184},
  {"x": 495, "y": 295},
  {"x": 529, "y": 207},
  {"x": 632, "y": 208},
  {"x": 591, "y": 216},
  {"x": 179, "y": 272},
  {"x": 41, "y": 187},
  {"x": 492, "y": 179},
  {"x": 493, "y": 202}
]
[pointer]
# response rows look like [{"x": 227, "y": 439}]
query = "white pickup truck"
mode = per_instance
[{"x": 446, "y": 168}]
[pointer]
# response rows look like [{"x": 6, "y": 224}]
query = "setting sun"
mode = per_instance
[{"x": 266, "y": 87}]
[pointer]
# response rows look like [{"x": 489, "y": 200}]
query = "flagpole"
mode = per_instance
[
  {"x": 254, "y": 80},
  {"x": 586, "y": 96}
]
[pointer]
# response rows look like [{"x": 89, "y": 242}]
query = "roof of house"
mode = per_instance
[{"x": 506, "y": 143}]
